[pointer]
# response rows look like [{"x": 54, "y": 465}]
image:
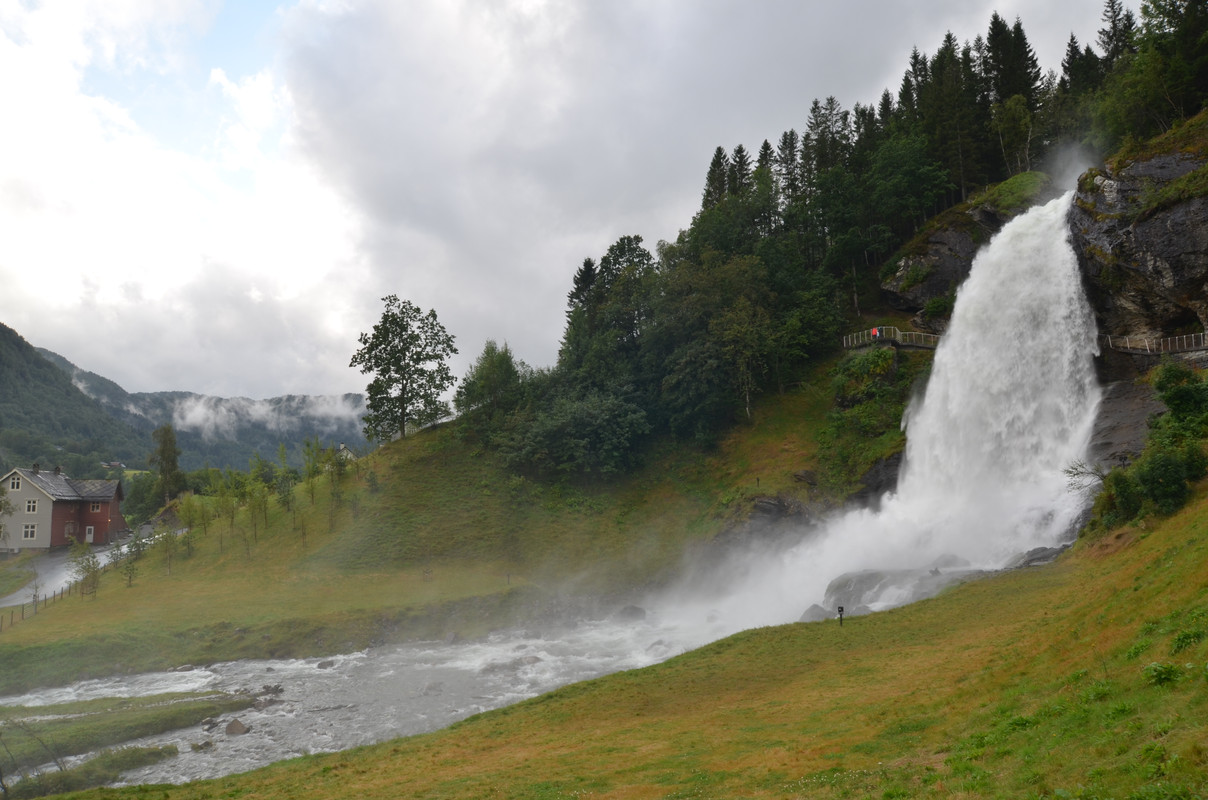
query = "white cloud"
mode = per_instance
[
  {"x": 180, "y": 225},
  {"x": 118, "y": 232}
]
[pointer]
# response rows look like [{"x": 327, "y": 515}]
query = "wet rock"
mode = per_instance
[
  {"x": 630, "y": 614},
  {"x": 275, "y": 688},
  {"x": 777, "y": 507},
  {"x": 209, "y": 724},
  {"x": 806, "y": 476},
  {"x": 453, "y": 638},
  {"x": 509, "y": 666},
  {"x": 183, "y": 668},
  {"x": 1122, "y": 426},
  {"x": 870, "y": 590},
  {"x": 326, "y": 664},
  {"x": 433, "y": 689},
  {"x": 236, "y": 728},
  {"x": 882, "y": 477},
  {"x": 1036, "y": 557},
  {"x": 816, "y": 613},
  {"x": 1145, "y": 267},
  {"x": 201, "y": 747}
]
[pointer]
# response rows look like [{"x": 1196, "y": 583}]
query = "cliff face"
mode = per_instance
[
  {"x": 1141, "y": 236},
  {"x": 925, "y": 273}
]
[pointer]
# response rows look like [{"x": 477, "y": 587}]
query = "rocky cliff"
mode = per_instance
[
  {"x": 1140, "y": 228},
  {"x": 923, "y": 276}
]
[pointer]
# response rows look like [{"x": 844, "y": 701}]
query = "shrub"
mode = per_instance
[
  {"x": 1161, "y": 673},
  {"x": 939, "y": 306},
  {"x": 1162, "y": 476},
  {"x": 1185, "y": 639}
]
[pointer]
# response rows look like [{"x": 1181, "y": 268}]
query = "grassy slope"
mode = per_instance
[{"x": 1027, "y": 684}]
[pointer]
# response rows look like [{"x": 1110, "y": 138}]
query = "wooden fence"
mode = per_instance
[{"x": 14, "y": 614}]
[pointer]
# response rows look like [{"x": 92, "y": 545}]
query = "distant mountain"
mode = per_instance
[
  {"x": 220, "y": 431},
  {"x": 44, "y": 418}
]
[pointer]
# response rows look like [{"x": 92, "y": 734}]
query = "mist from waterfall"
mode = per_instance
[{"x": 1011, "y": 402}]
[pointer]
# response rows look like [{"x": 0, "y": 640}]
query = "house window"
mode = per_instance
[
  {"x": 14, "y": 482},
  {"x": 31, "y": 506},
  {"x": 95, "y": 508},
  {"x": 29, "y": 530}
]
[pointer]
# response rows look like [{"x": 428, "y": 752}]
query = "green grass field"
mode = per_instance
[{"x": 1086, "y": 678}]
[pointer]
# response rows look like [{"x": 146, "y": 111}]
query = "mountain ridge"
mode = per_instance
[{"x": 53, "y": 411}]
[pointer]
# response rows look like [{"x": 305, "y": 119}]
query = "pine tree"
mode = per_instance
[
  {"x": 715, "y": 179},
  {"x": 766, "y": 156},
  {"x": 788, "y": 167},
  {"x": 585, "y": 279},
  {"x": 1116, "y": 37},
  {"x": 1081, "y": 69},
  {"x": 738, "y": 179}
]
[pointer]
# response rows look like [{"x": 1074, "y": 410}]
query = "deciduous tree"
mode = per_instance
[
  {"x": 407, "y": 354},
  {"x": 165, "y": 458}
]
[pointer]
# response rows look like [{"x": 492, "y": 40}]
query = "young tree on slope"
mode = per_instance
[
  {"x": 6, "y": 508},
  {"x": 407, "y": 353},
  {"x": 166, "y": 459}
]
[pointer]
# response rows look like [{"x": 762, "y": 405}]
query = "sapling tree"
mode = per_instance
[
  {"x": 6, "y": 508},
  {"x": 85, "y": 566},
  {"x": 312, "y": 464},
  {"x": 129, "y": 566},
  {"x": 167, "y": 543}
]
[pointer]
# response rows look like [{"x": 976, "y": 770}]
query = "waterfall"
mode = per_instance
[
  {"x": 1012, "y": 396},
  {"x": 1011, "y": 402}
]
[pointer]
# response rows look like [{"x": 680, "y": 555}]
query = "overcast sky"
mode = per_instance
[{"x": 214, "y": 197}]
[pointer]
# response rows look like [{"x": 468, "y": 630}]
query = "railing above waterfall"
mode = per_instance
[
  {"x": 1173, "y": 344},
  {"x": 887, "y": 334}
]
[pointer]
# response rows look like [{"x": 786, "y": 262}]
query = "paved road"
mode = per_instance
[{"x": 54, "y": 573}]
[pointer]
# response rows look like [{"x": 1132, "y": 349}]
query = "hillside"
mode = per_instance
[
  {"x": 225, "y": 432},
  {"x": 44, "y": 418},
  {"x": 1087, "y": 677}
]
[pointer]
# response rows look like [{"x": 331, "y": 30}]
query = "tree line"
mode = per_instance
[{"x": 787, "y": 243}]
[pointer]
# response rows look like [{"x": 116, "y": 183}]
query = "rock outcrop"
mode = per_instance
[
  {"x": 1142, "y": 249},
  {"x": 930, "y": 267}
]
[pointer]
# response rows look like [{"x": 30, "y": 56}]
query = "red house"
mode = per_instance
[{"x": 50, "y": 509}]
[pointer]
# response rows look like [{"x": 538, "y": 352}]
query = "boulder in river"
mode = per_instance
[
  {"x": 630, "y": 614},
  {"x": 236, "y": 728}
]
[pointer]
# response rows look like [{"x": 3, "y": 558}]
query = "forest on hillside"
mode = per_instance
[{"x": 791, "y": 238}]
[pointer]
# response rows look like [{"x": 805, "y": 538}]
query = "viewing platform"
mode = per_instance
[{"x": 887, "y": 334}]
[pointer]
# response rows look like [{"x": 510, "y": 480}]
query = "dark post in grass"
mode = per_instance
[{"x": 840, "y": 616}]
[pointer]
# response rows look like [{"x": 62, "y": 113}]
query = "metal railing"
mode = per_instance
[
  {"x": 1174, "y": 344},
  {"x": 888, "y": 334}
]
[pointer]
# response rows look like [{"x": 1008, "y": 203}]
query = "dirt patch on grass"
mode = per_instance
[{"x": 1112, "y": 543}]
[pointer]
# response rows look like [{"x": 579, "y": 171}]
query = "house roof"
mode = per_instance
[{"x": 60, "y": 487}]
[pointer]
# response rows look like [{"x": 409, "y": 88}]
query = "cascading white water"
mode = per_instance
[
  {"x": 1012, "y": 396},
  {"x": 1011, "y": 402}
]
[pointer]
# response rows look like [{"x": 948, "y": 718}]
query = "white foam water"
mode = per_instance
[{"x": 1011, "y": 402}]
